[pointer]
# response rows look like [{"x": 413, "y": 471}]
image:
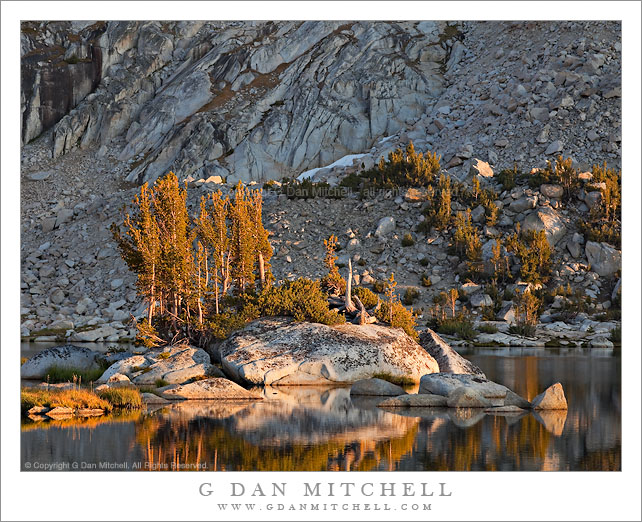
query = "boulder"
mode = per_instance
[
  {"x": 280, "y": 351},
  {"x": 445, "y": 383},
  {"x": 510, "y": 409},
  {"x": 604, "y": 259},
  {"x": 215, "y": 388},
  {"x": 512, "y": 399},
  {"x": 466, "y": 397},
  {"x": 175, "y": 366},
  {"x": 477, "y": 300},
  {"x": 151, "y": 398},
  {"x": 60, "y": 411},
  {"x": 549, "y": 221},
  {"x": 481, "y": 168},
  {"x": 552, "y": 191},
  {"x": 385, "y": 226},
  {"x": 449, "y": 360},
  {"x": 124, "y": 367},
  {"x": 378, "y": 387},
  {"x": 67, "y": 356},
  {"x": 91, "y": 336},
  {"x": 522, "y": 204},
  {"x": 423, "y": 400},
  {"x": 507, "y": 313},
  {"x": 552, "y": 398}
]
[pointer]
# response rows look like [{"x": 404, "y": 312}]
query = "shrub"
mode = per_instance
[
  {"x": 401, "y": 317},
  {"x": 526, "y": 313},
  {"x": 302, "y": 299},
  {"x": 159, "y": 383},
  {"x": 488, "y": 328},
  {"x": 507, "y": 177},
  {"x": 409, "y": 169},
  {"x": 124, "y": 398},
  {"x": 426, "y": 281},
  {"x": 75, "y": 399},
  {"x": 379, "y": 286},
  {"x": 410, "y": 296},
  {"x": 534, "y": 253},
  {"x": 407, "y": 240},
  {"x": 460, "y": 326},
  {"x": 164, "y": 355},
  {"x": 332, "y": 283},
  {"x": 62, "y": 374},
  {"x": 368, "y": 298},
  {"x": 424, "y": 261}
]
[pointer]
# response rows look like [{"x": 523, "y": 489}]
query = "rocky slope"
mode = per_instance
[{"x": 257, "y": 101}]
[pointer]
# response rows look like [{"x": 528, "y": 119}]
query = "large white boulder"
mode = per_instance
[
  {"x": 67, "y": 356},
  {"x": 208, "y": 389},
  {"x": 176, "y": 365},
  {"x": 280, "y": 351}
]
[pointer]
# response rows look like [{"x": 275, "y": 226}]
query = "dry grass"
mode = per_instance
[
  {"x": 75, "y": 399},
  {"x": 126, "y": 398}
]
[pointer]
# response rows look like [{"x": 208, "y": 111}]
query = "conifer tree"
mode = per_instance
[
  {"x": 262, "y": 244},
  {"x": 141, "y": 248},
  {"x": 242, "y": 245}
]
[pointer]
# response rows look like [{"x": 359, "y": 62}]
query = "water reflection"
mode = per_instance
[{"x": 300, "y": 428}]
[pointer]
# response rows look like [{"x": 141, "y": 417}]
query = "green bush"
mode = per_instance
[
  {"x": 508, "y": 177},
  {"x": 424, "y": 261},
  {"x": 368, "y": 298},
  {"x": 488, "y": 329},
  {"x": 379, "y": 286},
  {"x": 159, "y": 383},
  {"x": 401, "y": 318},
  {"x": 410, "y": 296},
  {"x": 403, "y": 169},
  {"x": 534, "y": 253},
  {"x": 302, "y": 299},
  {"x": 460, "y": 326},
  {"x": 407, "y": 240}
]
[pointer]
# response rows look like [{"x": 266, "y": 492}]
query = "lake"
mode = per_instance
[{"x": 316, "y": 429}]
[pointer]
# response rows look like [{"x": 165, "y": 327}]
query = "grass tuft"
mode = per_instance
[
  {"x": 62, "y": 374},
  {"x": 126, "y": 398},
  {"x": 75, "y": 399}
]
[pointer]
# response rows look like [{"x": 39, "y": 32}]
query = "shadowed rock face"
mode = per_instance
[
  {"x": 279, "y": 351},
  {"x": 261, "y": 99},
  {"x": 448, "y": 359},
  {"x": 56, "y": 76}
]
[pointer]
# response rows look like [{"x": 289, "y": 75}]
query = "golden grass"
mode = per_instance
[
  {"x": 75, "y": 399},
  {"x": 127, "y": 398}
]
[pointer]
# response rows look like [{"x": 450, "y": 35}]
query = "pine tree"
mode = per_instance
[
  {"x": 176, "y": 236},
  {"x": 242, "y": 245},
  {"x": 333, "y": 283},
  {"x": 141, "y": 248}
]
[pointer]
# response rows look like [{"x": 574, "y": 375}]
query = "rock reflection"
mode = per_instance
[{"x": 310, "y": 428}]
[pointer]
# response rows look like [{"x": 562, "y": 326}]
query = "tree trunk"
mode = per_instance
[
  {"x": 348, "y": 299},
  {"x": 262, "y": 270},
  {"x": 364, "y": 317}
]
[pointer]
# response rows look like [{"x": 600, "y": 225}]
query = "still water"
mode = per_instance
[{"x": 316, "y": 429}]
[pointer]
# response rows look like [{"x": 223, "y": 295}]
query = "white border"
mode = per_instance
[{"x": 488, "y": 496}]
